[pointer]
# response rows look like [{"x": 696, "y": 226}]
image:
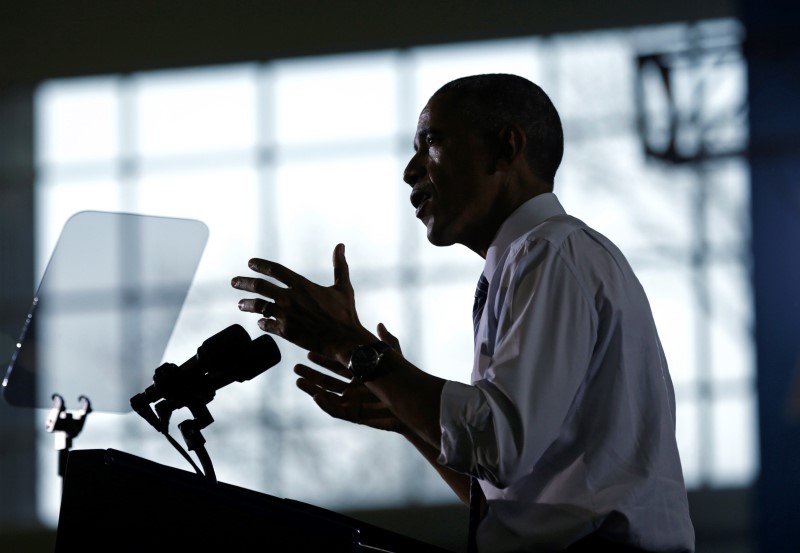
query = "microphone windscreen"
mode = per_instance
[
  {"x": 262, "y": 354},
  {"x": 223, "y": 348}
]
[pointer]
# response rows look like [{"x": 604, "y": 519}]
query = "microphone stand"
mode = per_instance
[
  {"x": 181, "y": 392},
  {"x": 190, "y": 429},
  {"x": 66, "y": 426}
]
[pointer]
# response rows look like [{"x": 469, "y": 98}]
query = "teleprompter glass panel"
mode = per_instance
[{"x": 105, "y": 309}]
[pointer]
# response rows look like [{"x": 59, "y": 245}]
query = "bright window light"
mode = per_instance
[{"x": 285, "y": 159}]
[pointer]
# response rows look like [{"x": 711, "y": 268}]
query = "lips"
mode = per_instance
[{"x": 418, "y": 198}]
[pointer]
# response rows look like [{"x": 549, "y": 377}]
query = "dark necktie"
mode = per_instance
[
  {"x": 481, "y": 292},
  {"x": 474, "y": 487}
]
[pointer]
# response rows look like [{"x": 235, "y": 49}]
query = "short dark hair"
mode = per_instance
[{"x": 495, "y": 100}]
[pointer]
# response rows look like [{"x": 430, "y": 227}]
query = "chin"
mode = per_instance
[
  {"x": 439, "y": 244},
  {"x": 438, "y": 239},
  {"x": 441, "y": 234}
]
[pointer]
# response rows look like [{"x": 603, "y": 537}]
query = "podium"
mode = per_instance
[{"x": 113, "y": 501}]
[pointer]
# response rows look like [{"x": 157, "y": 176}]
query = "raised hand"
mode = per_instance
[{"x": 317, "y": 318}]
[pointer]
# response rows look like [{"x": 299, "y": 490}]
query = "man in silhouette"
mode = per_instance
[{"x": 569, "y": 422}]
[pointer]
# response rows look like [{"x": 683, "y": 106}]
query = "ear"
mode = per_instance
[{"x": 511, "y": 144}]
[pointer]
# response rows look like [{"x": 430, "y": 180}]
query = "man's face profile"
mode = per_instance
[{"x": 450, "y": 174}]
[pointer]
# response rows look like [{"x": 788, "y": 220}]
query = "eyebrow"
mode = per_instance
[{"x": 421, "y": 134}]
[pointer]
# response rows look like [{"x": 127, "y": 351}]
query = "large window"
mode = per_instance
[{"x": 285, "y": 159}]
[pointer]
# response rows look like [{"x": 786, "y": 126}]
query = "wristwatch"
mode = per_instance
[{"x": 364, "y": 360}]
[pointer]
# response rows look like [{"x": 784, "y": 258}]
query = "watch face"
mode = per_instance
[{"x": 363, "y": 360}]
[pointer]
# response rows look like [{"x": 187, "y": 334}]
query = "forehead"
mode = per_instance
[{"x": 442, "y": 113}]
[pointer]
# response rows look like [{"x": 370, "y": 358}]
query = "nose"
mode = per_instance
[{"x": 414, "y": 171}]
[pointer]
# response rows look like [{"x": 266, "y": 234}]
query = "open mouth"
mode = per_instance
[{"x": 418, "y": 198}]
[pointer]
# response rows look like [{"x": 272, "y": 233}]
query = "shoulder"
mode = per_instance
[
  {"x": 571, "y": 240},
  {"x": 558, "y": 227},
  {"x": 548, "y": 237},
  {"x": 566, "y": 248},
  {"x": 547, "y": 248}
]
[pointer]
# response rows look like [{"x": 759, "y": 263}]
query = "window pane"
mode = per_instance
[
  {"x": 224, "y": 199},
  {"x": 335, "y": 99},
  {"x": 731, "y": 327},
  {"x": 671, "y": 299},
  {"x": 735, "y": 450},
  {"x": 595, "y": 76},
  {"x": 641, "y": 210},
  {"x": 446, "y": 324},
  {"x": 319, "y": 466},
  {"x": 195, "y": 111},
  {"x": 728, "y": 224},
  {"x": 350, "y": 199},
  {"x": 77, "y": 120}
]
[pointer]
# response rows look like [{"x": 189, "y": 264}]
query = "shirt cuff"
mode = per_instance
[{"x": 463, "y": 417}]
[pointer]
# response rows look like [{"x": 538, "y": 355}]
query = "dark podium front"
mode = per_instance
[{"x": 113, "y": 501}]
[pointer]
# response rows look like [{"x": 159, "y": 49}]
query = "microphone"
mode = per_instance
[
  {"x": 261, "y": 354},
  {"x": 226, "y": 357}
]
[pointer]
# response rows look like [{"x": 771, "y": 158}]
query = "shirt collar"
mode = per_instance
[{"x": 525, "y": 217}]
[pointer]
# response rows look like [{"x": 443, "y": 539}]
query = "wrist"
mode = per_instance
[
  {"x": 367, "y": 360},
  {"x": 342, "y": 347}
]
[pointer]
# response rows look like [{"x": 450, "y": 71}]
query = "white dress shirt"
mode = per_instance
[{"x": 570, "y": 421}]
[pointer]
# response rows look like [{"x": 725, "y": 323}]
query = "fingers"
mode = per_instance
[
  {"x": 271, "y": 326},
  {"x": 313, "y": 317},
  {"x": 329, "y": 363},
  {"x": 270, "y": 309},
  {"x": 350, "y": 401},
  {"x": 257, "y": 286},
  {"x": 334, "y": 406},
  {"x": 257, "y": 305},
  {"x": 372, "y": 414},
  {"x": 263, "y": 287},
  {"x": 318, "y": 380},
  {"x": 276, "y": 271},
  {"x": 329, "y": 394}
]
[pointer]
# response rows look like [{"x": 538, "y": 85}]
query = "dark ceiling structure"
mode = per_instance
[{"x": 50, "y": 39}]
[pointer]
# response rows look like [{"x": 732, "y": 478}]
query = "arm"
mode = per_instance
[
  {"x": 323, "y": 320},
  {"x": 458, "y": 482}
]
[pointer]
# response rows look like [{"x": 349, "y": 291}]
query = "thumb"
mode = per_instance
[
  {"x": 341, "y": 271},
  {"x": 389, "y": 338}
]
